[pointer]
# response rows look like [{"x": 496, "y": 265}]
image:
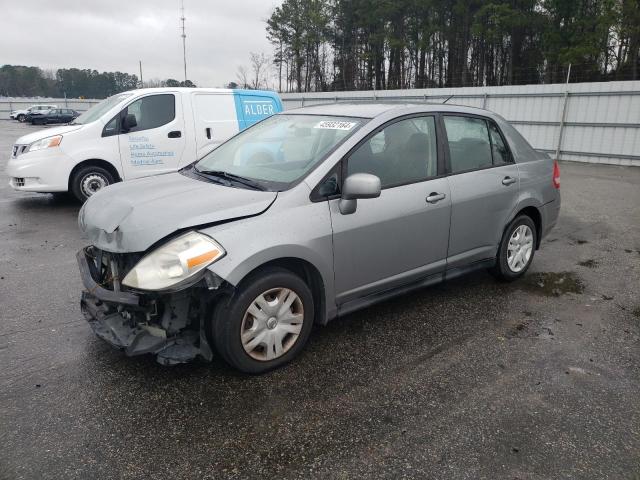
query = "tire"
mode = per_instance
[
  {"x": 88, "y": 180},
  {"x": 522, "y": 234},
  {"x": 232, "y": 317},
  {"x": 21, "y": 118}
]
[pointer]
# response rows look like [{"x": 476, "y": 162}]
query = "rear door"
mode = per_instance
[
  {"x": 215, "y": 119},
  {"x": 53, "y": 116},
  {"x": 156, "y": 144},
  {"x": 484, "y": 184}
]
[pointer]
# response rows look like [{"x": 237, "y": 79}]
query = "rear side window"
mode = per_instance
[
  {"x": 500, "y": 151},
  {"x": 469, "y": 143},
  {"x": 152, "y": 111}
]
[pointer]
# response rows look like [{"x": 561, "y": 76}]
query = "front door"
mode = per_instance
[
  {"x": 484, "y": 185},
  {"x": 401, "y": 236},
  {"x": 156, "y": 144}
]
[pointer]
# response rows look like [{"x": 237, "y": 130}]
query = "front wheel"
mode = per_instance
[
  {"x": 22, "y": 117},
  {"x": 266, "y": 323},
  {"x": 516, "y": 250},
  {"x": 88, "y": 180}
]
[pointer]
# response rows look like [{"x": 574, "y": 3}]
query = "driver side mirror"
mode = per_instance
[
  {"x": 129, "y": 122},
  {"x": 358, "y": 185}
]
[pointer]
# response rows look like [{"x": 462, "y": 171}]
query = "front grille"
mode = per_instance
[
  {"x": 18, "y": 181},
  {"x": 18, "y": 150}
]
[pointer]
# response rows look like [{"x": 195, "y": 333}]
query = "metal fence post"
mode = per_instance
[
  {"x": 562, "y": 120},
  {"x": 484, "y": 100}
]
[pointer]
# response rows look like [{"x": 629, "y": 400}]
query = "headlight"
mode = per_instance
[
  {"x": 45, "y": 143},
  {"x": 174, "y": 262}
]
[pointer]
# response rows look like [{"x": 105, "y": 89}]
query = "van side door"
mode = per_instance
[
  {"x": 215, "y": 119},
  {"x": 484, "y": 184},
  {"x": 154, "y": 140}
]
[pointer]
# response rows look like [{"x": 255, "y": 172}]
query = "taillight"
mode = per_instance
[{"x": 556, "y": 174}]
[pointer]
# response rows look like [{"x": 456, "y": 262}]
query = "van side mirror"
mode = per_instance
[
  {"x": 358, "y": 185},
  {"x": 129, "y": 122}
]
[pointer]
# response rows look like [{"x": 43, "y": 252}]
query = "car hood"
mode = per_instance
[
  {"x": 132, "y": 216},
  {"x": 47, "y": 132}
]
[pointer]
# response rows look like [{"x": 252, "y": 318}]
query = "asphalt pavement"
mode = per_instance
[{"x": 539, "y": 379}]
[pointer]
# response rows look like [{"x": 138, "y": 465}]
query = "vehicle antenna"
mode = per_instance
[{"x": 448, "y": 98}]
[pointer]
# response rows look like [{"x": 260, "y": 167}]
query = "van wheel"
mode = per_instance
[
  {"x": 516, "y": 251},
  {"x": 266, "y": 323},
  {"x": 22, "y": 117},
  {"x": 88, "y": 180}
]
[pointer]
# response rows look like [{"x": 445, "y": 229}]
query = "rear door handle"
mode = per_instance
[
  {"x": 435, "y": 197},
  {"x": 208, "y": 132},
  {"x": 175, "y": 134},
  {"x": 509, "y": 181}
]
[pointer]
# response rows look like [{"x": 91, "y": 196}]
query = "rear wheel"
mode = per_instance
[
  {"x": 516, "y": 250},
  {"x": 89, "y": 180},
  {"x": 266, "y": 324}
]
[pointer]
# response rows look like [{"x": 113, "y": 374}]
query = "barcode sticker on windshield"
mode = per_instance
[{"x": 335, "y": 125}]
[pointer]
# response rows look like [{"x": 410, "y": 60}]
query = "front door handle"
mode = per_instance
[
  {"x": 175, "y": 134},
  {"x": 435, "y": 197},
  {"x": 509, "y": 181}
]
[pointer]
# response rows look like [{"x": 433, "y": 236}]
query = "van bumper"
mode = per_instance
[
  {"x": 170, "y": 326},
  {"x": 41, "y": 171}
]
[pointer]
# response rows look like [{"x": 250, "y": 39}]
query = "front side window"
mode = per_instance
[
  {"x": 469, "y": 144},
  {"x": 152, "y": 111},
  {"x": 101, "y": 108},
  {"x": 403, "y": 152},
  {"x": 281, "y": 149}
]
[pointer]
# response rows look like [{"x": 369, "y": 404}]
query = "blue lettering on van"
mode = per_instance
[
  {"x": 142, "y": 152},
  {"x": 253, "y": 106}
]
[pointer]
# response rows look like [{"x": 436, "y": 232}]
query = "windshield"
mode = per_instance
[
  {"x": 100, "y": 109},
  {"x": 279, "y": 150}
]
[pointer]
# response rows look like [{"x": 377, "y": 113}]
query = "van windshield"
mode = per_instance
[
  {"x": 279, "y": 150},
  {"x": 100, "y": 109}
]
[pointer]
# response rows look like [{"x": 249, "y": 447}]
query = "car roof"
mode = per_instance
[{"x": 373, "y": 109}]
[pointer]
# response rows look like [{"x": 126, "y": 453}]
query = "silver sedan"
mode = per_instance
[{"x": 305, "y": 217}]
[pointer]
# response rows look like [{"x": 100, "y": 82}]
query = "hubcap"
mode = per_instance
[
  {"x": 520, "y": 248},
  {"x": 272, "y": 324},
  {"x": 92, "y": 182}
]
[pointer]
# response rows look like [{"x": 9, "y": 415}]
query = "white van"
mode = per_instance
[{"x": 134, "y": 134}]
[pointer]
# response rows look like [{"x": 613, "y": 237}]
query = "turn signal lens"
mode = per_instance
[
  {"x": 45, "y": 143},
  {"x": 174, "y": 262},
  {"x": 556, "y": 174}
]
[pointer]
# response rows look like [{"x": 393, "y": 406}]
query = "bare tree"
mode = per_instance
[
  {"x": 242, "y": 76},
  {"x": 260, "y": 69}
]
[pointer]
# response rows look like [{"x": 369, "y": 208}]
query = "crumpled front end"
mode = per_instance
[{"x": 170, "y": 325}]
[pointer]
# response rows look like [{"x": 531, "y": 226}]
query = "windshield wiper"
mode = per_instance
[{"x": 232, "y": 177}]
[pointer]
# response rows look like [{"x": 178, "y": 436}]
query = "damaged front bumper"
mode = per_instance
[{"x": 169, "y": 325}]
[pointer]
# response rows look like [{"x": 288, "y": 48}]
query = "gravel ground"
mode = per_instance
[{"x": 470, "y": 379}]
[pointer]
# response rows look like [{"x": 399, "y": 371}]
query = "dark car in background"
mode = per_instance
[{"x": 57, "y": 115}]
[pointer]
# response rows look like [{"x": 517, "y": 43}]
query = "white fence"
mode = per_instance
[{"x": 585, "y": 122}]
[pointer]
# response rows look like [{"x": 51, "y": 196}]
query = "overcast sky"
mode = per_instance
[{"x": 114, "y": 34}]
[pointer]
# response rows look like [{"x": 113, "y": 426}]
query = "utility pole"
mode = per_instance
[
  {"x": 184, "y": 41},
  {"x": 141, "y": 84}
]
